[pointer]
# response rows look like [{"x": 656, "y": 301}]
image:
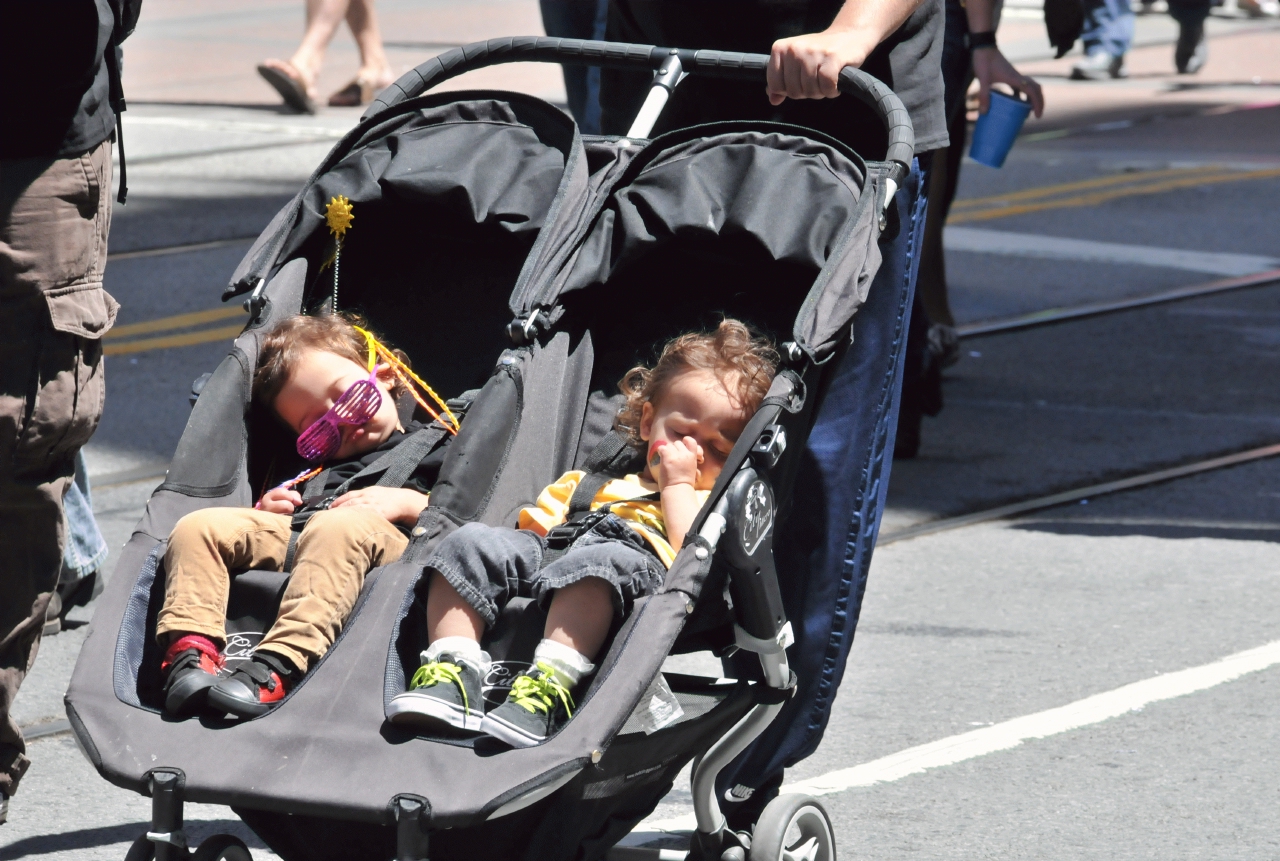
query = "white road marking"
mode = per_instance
[
  {"x": 1011, "y": 733},
  {"x": 1004, "y": 242},
  {"x": 215, "y": 125}
]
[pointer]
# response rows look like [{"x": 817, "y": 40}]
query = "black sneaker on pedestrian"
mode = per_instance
[
  {"x": 256, "y": 687},
  {"x": 446, "y": 692},
  {"x": 944, "y": 344},
  {"x": 189, "y": 669},
  {"x": 536, "y": 708},
  {"x": 1192, "y": 50},
  {"x": 1099, "y": 66}
]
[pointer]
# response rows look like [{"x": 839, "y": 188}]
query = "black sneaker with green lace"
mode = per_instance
[
  {"x": 536, "y": 708},
  {"x": 445, "y": 692}
]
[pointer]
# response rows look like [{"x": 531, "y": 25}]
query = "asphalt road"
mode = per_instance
[{"x": 961, "y": 630}]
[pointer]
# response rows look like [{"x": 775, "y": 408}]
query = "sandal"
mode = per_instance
[
  {"x": 289, "y": 83},
  {"x": 358, "y": 93}
]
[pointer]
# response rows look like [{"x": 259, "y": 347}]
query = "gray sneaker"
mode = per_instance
[
  {"x": 443, "y": 693},
  {"x": 536, "y": 708},
  {"x": 1099, "y": 66}
]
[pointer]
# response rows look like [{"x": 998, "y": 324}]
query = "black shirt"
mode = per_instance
[
  {"x": 422, "y": 479},
  {"x": 909, "y": 62},
  {"x": 54, "y": 86}
]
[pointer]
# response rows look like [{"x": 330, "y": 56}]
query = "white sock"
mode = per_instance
[
  {"x": 463, "y": 648},
  {"x": 569, "y": 664}
]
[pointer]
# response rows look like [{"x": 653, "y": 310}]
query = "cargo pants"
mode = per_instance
[{"x": 54, "y": 218}]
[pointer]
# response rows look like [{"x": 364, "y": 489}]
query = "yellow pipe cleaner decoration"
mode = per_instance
[{"x": 377, "y": 350}]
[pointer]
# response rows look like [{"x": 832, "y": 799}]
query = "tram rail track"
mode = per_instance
[
  {"x": 1050, "y": 316},
  {"x": 978, "y": 329},
  {"x": 1011, "y": 510}
]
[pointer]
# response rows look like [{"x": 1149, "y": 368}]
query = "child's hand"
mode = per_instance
[
  {"x": 676, "y": 462},
  {"x": 396, "y": 504},
  {"x": 279, "y": 500}
]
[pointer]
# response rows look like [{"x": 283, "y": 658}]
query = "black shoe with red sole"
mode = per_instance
[
  {"x": 190, "y": 669},
  {"x": 257, "y": 686}
]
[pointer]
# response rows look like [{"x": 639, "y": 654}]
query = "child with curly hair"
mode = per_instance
[
  {"x": 685, "y": 413},
  {"x": 329, "y": 380}
]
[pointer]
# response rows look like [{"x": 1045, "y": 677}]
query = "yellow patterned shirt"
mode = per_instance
[{"x": 644, "y": 516}]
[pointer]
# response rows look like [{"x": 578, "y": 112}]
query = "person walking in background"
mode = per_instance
[
  {"x": 55, "y": 211},
  {"x": 969, "y": 51},
  {"x": 579, "y": 19},
  {"x": 295, "y": 78},
  {"x": 1191, "y": 49},
  {"x": 1107, "y": 35},
  {"x": 82, "y": 557}
]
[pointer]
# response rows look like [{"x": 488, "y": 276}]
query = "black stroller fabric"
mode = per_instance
[{"x": 765, "y": 223}]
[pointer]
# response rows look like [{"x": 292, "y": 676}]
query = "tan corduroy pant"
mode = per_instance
[{"x": 335, "y": 551}]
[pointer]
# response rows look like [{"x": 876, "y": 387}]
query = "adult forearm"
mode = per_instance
[
  {"x": 981, "y": 15},
  {"x": 808, "y": 66},
  {"x": 878, "y": 19}
]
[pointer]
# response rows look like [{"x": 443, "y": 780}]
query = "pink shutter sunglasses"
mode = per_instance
[{"x": 360, "y": 403}]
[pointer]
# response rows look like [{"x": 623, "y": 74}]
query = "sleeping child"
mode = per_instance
[
  {"x": 685, "y": 413},
  {"x": 334, "y": 385}
]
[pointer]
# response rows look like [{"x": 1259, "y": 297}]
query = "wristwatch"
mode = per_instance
[{"x": 985, "y": 39}]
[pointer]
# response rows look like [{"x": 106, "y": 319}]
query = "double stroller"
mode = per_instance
[{"x": 518, "y": 264}]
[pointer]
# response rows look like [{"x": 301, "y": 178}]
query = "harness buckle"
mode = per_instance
[{"x": 562, "y": 537}]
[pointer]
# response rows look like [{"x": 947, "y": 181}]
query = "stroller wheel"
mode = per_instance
[
  {"x": 141, "y": 849},
  {"x": 793, "y": 827},
  {"x": 222, "y": 847}
]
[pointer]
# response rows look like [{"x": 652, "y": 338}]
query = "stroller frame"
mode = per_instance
[{"x": 738, "y": 526}]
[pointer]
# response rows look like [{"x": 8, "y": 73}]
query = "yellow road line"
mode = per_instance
[
  {"x": 166, "y": 341},
  {"x": 1112, "y": 188},
  {"x": 1081, "y": 185},
  {"x": 1111, "y": 194},
  {"x": 177, "y": 321}
]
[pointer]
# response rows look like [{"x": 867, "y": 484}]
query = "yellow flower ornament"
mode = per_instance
[{"x": 338, "y": 215}]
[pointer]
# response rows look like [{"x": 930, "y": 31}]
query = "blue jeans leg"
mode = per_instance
[
  {"x": 824, "y": 548},
  {"x": 579, "y": 19},
  {"x": 1108, "y": 24},
  {"x": 489, "y": 565},
  {"x": 86, "y": 549}
]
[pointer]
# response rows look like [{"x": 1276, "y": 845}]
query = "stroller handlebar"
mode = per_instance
[{"x": 620, "y": 55}]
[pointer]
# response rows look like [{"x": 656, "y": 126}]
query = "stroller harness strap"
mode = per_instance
[
  {"x": 581, "y": 518},
  {"x": 396, "y": 466},
  {"x": 611, "y": 458}
]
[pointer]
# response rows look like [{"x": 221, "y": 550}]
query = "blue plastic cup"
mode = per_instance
[{"x": 996, "y": 130}]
